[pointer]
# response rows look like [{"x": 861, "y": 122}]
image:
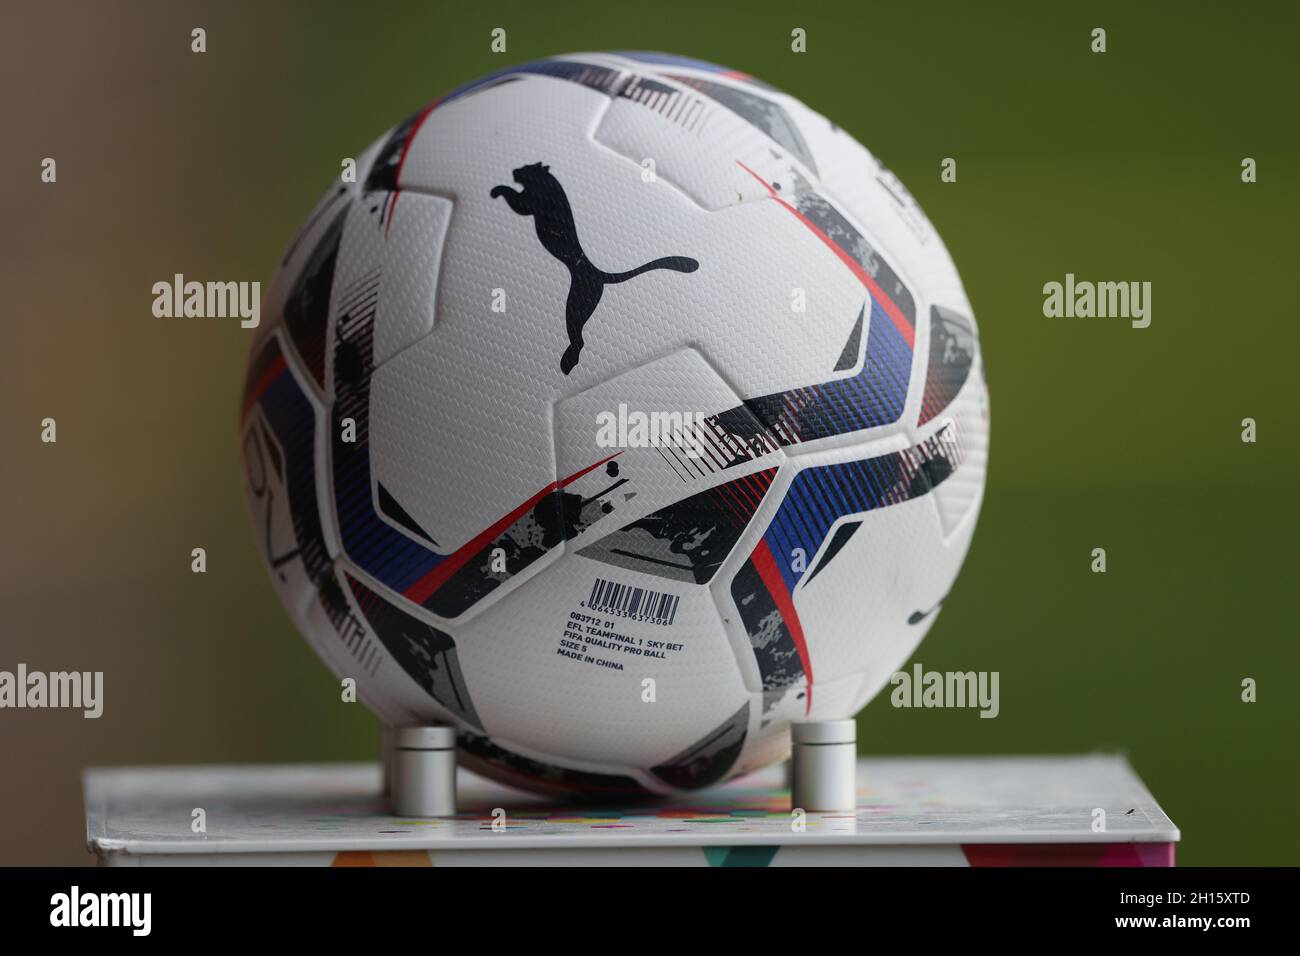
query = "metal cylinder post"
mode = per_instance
[
  {"x": 823, "y": 765},
  {"x": 424, "y": 771}
]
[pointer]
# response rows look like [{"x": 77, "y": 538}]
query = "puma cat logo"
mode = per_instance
[{"x": 543, "y": 198}]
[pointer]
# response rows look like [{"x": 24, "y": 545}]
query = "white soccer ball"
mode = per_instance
[{"x": 621, "y": 412}]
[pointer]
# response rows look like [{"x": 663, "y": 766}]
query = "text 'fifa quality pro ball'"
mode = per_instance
[{"x": 622, "y": 411}]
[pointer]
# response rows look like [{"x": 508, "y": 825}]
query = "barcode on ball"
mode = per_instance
[{"x": 624, "y": 600}]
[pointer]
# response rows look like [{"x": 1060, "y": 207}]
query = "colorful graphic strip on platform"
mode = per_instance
[{"x": 758, "y": 855}]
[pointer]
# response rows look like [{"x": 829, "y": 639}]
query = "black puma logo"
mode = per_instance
[{"x": 543, "y": 198}]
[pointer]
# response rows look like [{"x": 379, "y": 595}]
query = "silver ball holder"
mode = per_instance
[
  {"x": 424, "y": 771},
  {"x": 823, "y": 766}
]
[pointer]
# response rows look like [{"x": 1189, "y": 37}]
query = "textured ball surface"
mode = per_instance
[{"x": 622, "y": 411}]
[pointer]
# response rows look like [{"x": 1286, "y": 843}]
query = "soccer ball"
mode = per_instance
[{"x": 619, "y": 411}]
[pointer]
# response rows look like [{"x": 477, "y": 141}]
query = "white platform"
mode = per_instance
[{"x": 911, "y": 811}]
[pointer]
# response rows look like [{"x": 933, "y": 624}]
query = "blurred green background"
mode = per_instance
[{"x": 1121, "y": 166}]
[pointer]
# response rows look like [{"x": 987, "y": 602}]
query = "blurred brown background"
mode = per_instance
[
  {"x": 167, "y": 162},
  {"x": 1117, "y": 167}
]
